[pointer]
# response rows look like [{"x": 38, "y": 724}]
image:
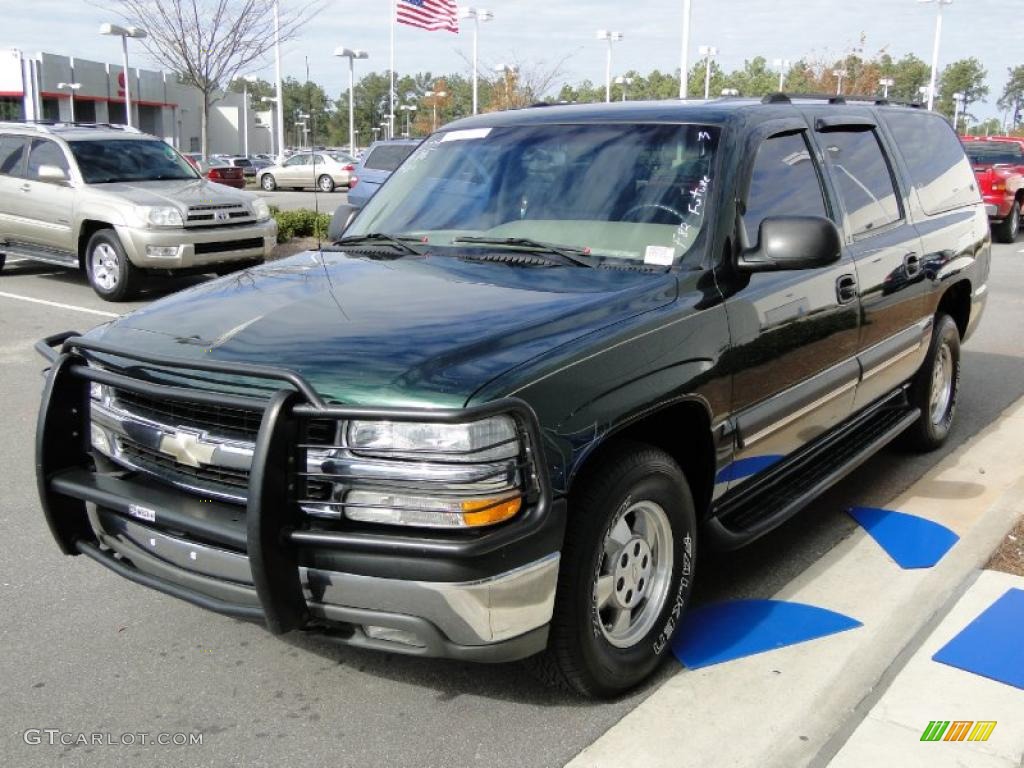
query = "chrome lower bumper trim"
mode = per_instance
[{"x": 473, "y": 613}]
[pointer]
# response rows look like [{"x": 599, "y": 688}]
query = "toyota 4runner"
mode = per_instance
[
  {"x": 561, "y": 354},
  {"x": 118, "y": 204}
]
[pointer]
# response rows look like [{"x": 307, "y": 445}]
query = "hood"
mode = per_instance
[
  {"x": 425, "y": 331},
  {"x": 183, "y": 193}
]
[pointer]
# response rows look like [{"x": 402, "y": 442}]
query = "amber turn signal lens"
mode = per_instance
[{"x": 489, "y": 511}]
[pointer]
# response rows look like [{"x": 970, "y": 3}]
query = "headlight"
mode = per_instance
[
  {"x": 425, "y": 475},
  {"x": 260, "y": 209},
  {"x": 162, "y": 216},
  {"x": 485, "y": 440}
]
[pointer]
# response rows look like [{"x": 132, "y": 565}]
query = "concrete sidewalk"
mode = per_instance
[
  {"x": 799, "y": 704},
  {"x": 926, "y": 690}
]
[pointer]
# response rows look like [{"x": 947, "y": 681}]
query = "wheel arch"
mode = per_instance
[
  {"x": 681, "y": 428},
  {"x": 956, "y": 302},
  {"x": 87, "y": 229}
]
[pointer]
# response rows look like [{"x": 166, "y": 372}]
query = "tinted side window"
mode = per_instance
[
  {"x": 862, "y": 179},
  {"x": 388, "y": 157},
  {"x": 45, "y": 153},
  {"x": 784, "y": 183},
  {"x": 935, "y": 160},
  {"x": 12, "y": 151}
]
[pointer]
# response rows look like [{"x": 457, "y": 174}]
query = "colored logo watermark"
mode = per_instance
[{"x": 958, "y": 730}]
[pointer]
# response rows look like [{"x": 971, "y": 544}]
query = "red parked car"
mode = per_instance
[
  {"x": 999, "y": 167},
  {"x": 218, "y": 171}
]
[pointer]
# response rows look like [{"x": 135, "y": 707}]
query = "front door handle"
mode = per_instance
[
  {"x": 846, "y": 289},
  {"x": 26, "y": 187},
  {"x": 912, "y": 263}
]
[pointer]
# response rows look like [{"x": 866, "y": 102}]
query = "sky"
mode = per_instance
[{"x": 546, "y": 30}]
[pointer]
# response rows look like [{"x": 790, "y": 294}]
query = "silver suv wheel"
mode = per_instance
[
  {"x": 105, "y": 269},
  {"x": 633, "y": 578}
]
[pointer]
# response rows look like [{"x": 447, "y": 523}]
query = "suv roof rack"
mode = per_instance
[
  {"x": 832, "y": 98},
  {"x": 46, "y": 125}
]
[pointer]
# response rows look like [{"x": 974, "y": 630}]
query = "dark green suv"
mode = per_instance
[{"x": 560, "y": 354}]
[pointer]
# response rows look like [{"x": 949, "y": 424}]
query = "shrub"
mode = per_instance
[{"x": 300, "y": 223}]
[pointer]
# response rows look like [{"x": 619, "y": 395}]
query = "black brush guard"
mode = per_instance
[{"x": 273, "y": 531}]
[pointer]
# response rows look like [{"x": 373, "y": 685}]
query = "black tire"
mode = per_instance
[
  {"x": 931, "y": 430},
  {"x": 580, "y": 655},
  {"x": 1006, "y": 230},
  {"x": 268, "y": 182},
  {"x": 3, "y": 260},
  {"x": 325, "y": 183},
  {"x": 110, "y": 272}
]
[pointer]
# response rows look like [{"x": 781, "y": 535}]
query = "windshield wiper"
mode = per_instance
[
  {"x": 401, "y": 242},
  {"x": 566, "y": 253}
]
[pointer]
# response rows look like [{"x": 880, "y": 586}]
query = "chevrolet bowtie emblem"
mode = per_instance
[{"x": 187, "y": 448}]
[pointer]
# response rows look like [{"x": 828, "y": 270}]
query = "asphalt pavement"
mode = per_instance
[
  {"x": 86, "y": 651},
  {"x": 291, "y": 200}
]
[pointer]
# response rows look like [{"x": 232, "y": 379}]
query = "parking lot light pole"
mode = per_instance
[
  {"x": 278, "y": 84},
  {"x": 708, "y": 52},
  {"x": 351, "y": 54},
  {"x": 935, "y": 49},
  {"x": 684, "y": 56},
  {"x": 434, "y": 96},
  {"x": 612, "y": 38},
  {"x": 408, "y": 109},
  {"x": 124, "y": 33},
  {"x": 839, "y": 74},
  {"x": 625, "y": 82},
  {"x": 783, "y": 66},
  {"x": 959, "y": 100},
  {"x": 273, "y": 123},
  {"x": 886, "y": 83},
  {"x": 477, "y": 15},
  {"x": 70, "y": 88}
]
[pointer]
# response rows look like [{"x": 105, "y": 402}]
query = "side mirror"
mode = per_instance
[
  {"x": 52, "y": 174},
  {"x": 342, "y": 217},
  {"x": 792, "y": 242}
]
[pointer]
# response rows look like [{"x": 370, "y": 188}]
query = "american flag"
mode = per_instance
[{"x": 429, "y": 14}]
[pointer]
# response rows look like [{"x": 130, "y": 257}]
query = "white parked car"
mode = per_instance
[{"x": 324, "y": 170}]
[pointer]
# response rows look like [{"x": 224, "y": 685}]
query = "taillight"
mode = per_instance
[
  {"x": 352, "y": 181},
  {"x": 348, "y": 168},
  {"x": 215, "y": 173}
]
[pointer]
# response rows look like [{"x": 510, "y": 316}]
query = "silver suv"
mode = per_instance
[{"x": 119, "y": 204}]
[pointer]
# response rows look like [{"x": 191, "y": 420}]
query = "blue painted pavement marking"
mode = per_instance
[
  {"x": 993, "y": 644},
  {"x": 721, "y": 632},
  {"x": 911, "y": 541},
  {"x": 745, "y": 467}
]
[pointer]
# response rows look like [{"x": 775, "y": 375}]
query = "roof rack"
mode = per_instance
[
  {"x": 832, "y": 98},
  {"x": 44, "y": 125}
]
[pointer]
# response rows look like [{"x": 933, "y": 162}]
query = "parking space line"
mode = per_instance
[{"x": 100, "y": 312}]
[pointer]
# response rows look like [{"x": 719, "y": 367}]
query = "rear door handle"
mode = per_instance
[
  {"x": 846, "y": 289},
  {"x": 912, "y": 263}
]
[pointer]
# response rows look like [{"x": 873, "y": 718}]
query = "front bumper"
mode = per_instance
[
  {"x": 199, "y": 246},
  {"x": 487, "y": 598}
]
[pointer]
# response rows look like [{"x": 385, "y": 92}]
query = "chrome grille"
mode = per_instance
[
  {"x": 146, "y": 431},
  {"x": 218, "y": 215}
]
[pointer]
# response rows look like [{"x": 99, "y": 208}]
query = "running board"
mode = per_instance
[
  {"x": 784, "y": 490},
  {"x": 57, "y": 258}
]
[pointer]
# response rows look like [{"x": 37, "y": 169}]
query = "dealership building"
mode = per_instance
[{"x": 35, "y": 87}]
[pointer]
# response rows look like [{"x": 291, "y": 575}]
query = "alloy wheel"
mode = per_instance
[
  {"x": 105, "y": 269},
  {"x": 633, "y": 577}
]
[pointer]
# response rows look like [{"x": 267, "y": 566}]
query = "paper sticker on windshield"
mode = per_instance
[
  {"x": 468, "y": 133},
  {"x": 660, "y": 255}
]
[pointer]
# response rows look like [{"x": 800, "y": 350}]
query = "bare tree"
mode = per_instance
[
  {"x": 518, "y": 83},
  {"x": 211, "y": 42}
]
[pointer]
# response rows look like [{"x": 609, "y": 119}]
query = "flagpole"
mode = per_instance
[{"x": 391, "y": 92}]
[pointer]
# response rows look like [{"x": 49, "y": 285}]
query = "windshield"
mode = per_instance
[
  {"x": 113, "y": 160},
  {"x": 628, "y": 192},
  {"x": 992, "y": 152}
]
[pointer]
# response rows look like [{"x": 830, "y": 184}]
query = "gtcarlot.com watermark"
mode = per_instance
[{"x": 57, "y": 737}]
